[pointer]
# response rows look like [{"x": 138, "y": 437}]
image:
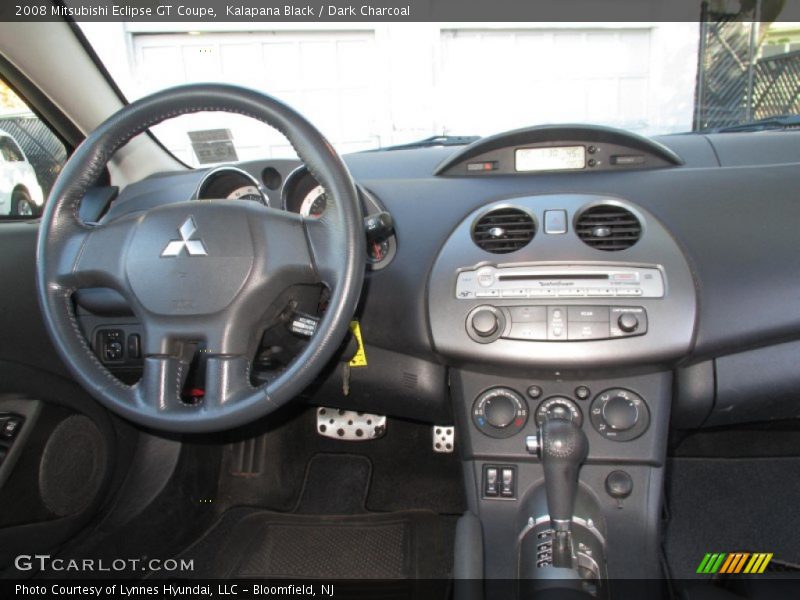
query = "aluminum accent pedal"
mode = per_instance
[
  {"x": 444, "y": 438},
  {"x": 349, "y": 425}
]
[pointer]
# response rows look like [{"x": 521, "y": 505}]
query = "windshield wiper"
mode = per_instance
[
  {"x": 767, "y": 124},
  {"x": 436, "y": 140}
]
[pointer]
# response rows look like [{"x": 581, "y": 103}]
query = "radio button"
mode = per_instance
[
  {"x": 516, "y": 293},
  {"x": 528, "y": 314},
  {"x": 588, "y": 331},
  {"x": 541, "y": 292},
  {"x": 572, "y": 292},
  {"x": 486, "y": 277},
  {"x": 629, "y": 292},
  {"x": 590, "y": 314},
  {"x": 528, "y": 331},
  {"x": 487, "y": 294}
]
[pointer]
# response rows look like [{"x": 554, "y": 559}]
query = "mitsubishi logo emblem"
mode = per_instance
[{"x": 194, "y": 247}]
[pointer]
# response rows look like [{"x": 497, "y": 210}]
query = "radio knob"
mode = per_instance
[
  {"x": 484, "y": 322},
  {"x": 628, "y": 322},
  {"x": 620, "y": 413},
  {"x": 500, "y": 411}
]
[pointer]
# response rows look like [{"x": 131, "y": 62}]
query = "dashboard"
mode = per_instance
[{"x": 682, "y": 258}]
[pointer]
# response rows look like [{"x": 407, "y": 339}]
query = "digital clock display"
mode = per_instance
[{"x": 557, "y": 158}]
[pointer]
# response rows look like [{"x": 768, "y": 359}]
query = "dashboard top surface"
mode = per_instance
[{"x": 728, "y": 208}]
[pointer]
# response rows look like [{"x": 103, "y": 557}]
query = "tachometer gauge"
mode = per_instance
[
  {"x": 246, "y": 192},
  {"x": 314, "y": 202}
]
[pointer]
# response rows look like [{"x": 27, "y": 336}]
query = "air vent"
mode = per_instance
[
  {"x": 504, "y": 230},
  {"x": 608, "y": 227}
]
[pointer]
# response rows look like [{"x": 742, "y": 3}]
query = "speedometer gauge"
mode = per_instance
[
  {"x": 314, "y": 202},
  {"x": 246, "y": 192}
]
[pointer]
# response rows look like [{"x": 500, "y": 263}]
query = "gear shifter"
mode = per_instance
[{"x": 562, "y": 447}]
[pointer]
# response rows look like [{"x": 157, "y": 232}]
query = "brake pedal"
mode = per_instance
[
  {"x": 444, "y": 438},
  {"x": 349, "y": 425}
]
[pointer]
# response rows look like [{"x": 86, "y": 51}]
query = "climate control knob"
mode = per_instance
[
  {"x": 619, "y": 414},
  {"x": 500, "y": 412}
]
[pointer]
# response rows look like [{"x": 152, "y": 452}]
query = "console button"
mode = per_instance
[
  {"x": 555, "y": 221},
  {"x": 507, "y": 482},
  {"x": 535, "y": 392},
  {"x": 11, "y": 427},
  {"x": 556, "y": 323},
  {"x": 582, "y": 392},
  {"x": 588, "y": 314},
  {"x": 588, "y": 331},
  {"x": 619, "y": 484},
  {"x": 490, "y": 482}
]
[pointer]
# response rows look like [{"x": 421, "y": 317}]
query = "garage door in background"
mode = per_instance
[{"x": 327, "y": 76}]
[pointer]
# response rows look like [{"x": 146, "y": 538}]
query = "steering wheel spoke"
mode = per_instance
[
  {"x": 227, "y": 380},
  {"x": 161, "y": 386}
]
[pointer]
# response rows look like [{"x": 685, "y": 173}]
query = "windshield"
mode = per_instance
[{"x": 370, "y": 86}]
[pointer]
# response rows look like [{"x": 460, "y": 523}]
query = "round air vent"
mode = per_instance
[
  {"x": 608, "y": 227},
  {"x": 504, "y": 230}
]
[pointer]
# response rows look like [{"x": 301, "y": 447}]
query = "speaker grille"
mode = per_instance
[{"x": 72, "y": 466}]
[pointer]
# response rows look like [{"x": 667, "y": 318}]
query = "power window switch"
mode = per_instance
[
  {"x": 507, "y": 483},
  {"x": 10, "y": 428},
  {"x": 490, "y": 482}
]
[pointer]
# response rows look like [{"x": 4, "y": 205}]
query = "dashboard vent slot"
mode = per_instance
[
  {"x": 503, "y": 230},
  {"x": 608, "y": 227}
]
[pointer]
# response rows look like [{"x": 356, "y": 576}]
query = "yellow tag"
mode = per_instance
[{"x": 360, "y": 359}]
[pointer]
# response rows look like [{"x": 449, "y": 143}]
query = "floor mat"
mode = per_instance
[
  {"x": 732, "y": 505},
  {"x": 335, "y": 484},
  {"x": 273, "y": 468},
  {"x": 249, "y": 543}
]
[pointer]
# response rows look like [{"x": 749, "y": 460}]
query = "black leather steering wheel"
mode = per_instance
[{"x": 206, "y": 273}]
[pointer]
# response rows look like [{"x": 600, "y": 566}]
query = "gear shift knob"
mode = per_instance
[{"x": 563, "y": 448}]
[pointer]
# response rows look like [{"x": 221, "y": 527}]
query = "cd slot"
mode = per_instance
[{"x": 555, "y": 277}]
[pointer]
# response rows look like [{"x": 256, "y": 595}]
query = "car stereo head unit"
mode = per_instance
[{"x": 560, "y": 281}]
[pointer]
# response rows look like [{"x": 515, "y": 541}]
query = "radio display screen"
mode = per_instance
[{"x": 557, "y": 158}]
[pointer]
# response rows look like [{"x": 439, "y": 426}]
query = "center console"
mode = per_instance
[{"x": 561, "y": 317}]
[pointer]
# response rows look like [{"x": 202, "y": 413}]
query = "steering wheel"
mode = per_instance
[{"x": 207, "y": 274}]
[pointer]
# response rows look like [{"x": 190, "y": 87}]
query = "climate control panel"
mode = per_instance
[{"x": 617, "y": 414}]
